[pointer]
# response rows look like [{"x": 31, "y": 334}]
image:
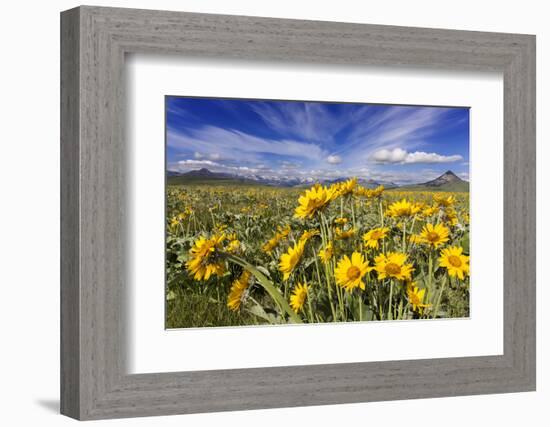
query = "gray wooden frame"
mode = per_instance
[{"x": 94, "y": 382}]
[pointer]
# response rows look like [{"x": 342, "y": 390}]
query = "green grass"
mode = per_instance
[
  {"x": 450, "y": 187},
  {"x": 219, "y": 182},
  {"x": 189, "y": 309}
]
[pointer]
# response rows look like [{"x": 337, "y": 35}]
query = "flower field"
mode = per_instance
[{"x": 240, "y": 254}]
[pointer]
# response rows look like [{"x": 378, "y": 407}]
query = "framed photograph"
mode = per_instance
[
  {"x": 275, "y": 211},
  {"x": 262, "y": 213}
]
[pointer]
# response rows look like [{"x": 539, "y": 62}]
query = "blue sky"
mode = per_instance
[{"x": 316, "y": 140}]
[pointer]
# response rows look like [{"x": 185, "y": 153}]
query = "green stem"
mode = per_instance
[
  {"x": 430, "y": 271},
  {"x": 438, "y": 302},
  {"x": 312, "y": 320},
  {"x": 390, "y": 314},
  {"x": 352, "y": 203},
  {"x": 404, "y": 237},
  {"x": 325, "y": 240}
]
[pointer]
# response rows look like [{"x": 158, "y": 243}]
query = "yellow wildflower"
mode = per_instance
[
  {"x": 450, "y": 216},
  {"x": 443, "y": 201},
  {"x": 290, "y": 260},
  {"x": 393, "y": 265},
  {"x": 372, "y": 238},
  {"x": 205, "y": 260},
  {"x": 326, "y": 253},
  {"x": 340, "y": 234},
  {"x": 369, "y": 193},
  {"x": 237, "y": 291},
  {"x": 346, "y": 187},
  {"x": 314, "y": 200},
  {"x": 298, "y": 297},
  {"x": 457, "y": 265},
  {"x": 402, "y": 208},
  {"x": 308, "y": 234},
  {"x": 416, "y": 298},
  {"x": 429, "y": 211},
  {"x": 434, "y": 235},
  {"x": 349, "y": 272},
  {"x": 275, "y": 240},
  {"x": 233, "y": 246}
]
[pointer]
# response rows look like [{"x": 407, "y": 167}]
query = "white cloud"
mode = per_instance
[
  {"x": 398, "y": 155},
  {"x": 334, "y": 159}
]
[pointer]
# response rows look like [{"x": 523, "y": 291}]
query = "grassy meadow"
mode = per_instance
[{"x": 244, "y": 254}]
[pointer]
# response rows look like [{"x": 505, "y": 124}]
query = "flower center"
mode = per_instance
[
  {"x": 433, "y": 236},
  {"x": 392, "y": 268},
  {"x": 353, "y": 273},
  {"x": 375, "y": 235},
  {"x": 455, "y": 261}
]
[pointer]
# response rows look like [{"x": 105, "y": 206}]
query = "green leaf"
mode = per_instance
[
  {"x": 258, "y": 311},
  {"x": 264, "y": 270}
]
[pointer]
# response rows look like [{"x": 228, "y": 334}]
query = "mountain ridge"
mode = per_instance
[{"x": 448, "y": 181}]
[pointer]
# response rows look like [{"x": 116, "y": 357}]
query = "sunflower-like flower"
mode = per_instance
[
  {"x": 341, "y": 221},
  {"x": 429, "y": 211},
  {"x": 416, "y": 297},
  {"x": 373, "y": 237},
  {"x": 434, "y": 235},
  {"x": 290, "y": 260},
  {"x": 368, "y": 192},
  {"x": 340, "y": 234},
  {"x": 204, "y": 257},
  {"x": 443, "y": 200},
  {"x": 455, "y": 262},
  {"x": 349, "y": 272},
  {"x": 393, "y": 265},
  {"x": 403, "y": 208},
  {"x": 326, "y": 253},
  {"x": 238, "y": 288},
  {"x": 450, "y": 216},
  {"x": 308, "y": 234},
  {"x": 233, "y": 246},
  {"x": 298, "y": 297},
  {"x": 346, "y": 187},
  {"x": 272, "y": 243},
  {"x": 314, "y": 200},
  {"x": 177, "y": 219},
  {"x": 415, "y": 238}
]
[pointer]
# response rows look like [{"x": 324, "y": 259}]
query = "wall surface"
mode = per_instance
[{"x": 29, "y": 212}]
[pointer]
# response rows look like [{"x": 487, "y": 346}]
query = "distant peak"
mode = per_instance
[{"x": 447, "y": 177}]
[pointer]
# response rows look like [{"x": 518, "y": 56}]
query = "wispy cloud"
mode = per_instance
[
  {"x": 305, "y": 121},
  {"x": 234, "y": 144},
  {"x": 394, "y": 127},
  {"x": 302, "y": 139}
]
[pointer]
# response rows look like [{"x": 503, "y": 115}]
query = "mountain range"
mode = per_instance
[{"x": 446, "y": 182}]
